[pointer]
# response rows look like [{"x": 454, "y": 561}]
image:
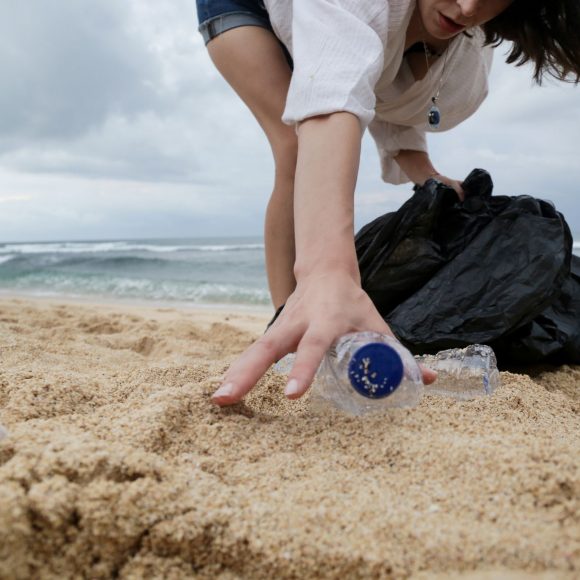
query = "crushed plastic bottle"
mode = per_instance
[
  {"x": 368, "y": 372},
  {"x": 3, "y": 432},
  {"x": 463, "y": 373}
]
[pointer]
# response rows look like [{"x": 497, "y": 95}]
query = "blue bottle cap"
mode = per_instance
[{"x": 375, "y": 370}]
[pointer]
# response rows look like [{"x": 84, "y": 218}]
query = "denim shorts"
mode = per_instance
[{"x": 217, "y": 16}]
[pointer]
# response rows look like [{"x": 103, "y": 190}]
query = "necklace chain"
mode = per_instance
[{"x": 434, "y": 115}]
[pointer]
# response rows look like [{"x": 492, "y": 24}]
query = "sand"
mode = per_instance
[{"x": 118, "y": 465}]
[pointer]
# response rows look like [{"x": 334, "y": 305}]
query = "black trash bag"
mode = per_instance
[{"x": 489, "y": 270}]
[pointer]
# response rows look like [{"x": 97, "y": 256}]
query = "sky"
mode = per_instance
[{"x": 114, "y": 124}]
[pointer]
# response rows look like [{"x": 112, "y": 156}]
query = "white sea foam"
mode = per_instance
[
  {"x": 107, "y": 247},
  {"x": 4, "y": 259},
  {"x": 112, "y": 286},
  {"x": 228, "y": 248}
]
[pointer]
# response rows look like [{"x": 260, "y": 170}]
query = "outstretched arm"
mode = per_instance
[
  {"x": 326, "y": 173},
  {"x": 328, "y": 301}
]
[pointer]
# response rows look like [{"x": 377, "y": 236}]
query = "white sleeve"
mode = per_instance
[
  {"x": 337, "y": 48},
  {"x": 390, "y": 139}
]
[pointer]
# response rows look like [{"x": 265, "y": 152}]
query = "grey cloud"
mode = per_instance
[
  {"x": 66, "y": 66},
  {"x": 124, "y": 90}
]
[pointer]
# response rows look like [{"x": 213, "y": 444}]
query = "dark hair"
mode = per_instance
[{"x": 545, "y": 32}]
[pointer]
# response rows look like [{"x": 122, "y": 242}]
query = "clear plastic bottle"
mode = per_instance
[
  {"x": 3, "y": 432},
  {"x": 463, "y": 373},
  {"x": 364, "y": 372}
]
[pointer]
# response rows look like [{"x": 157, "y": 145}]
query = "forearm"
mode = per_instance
[
  {"x": 326, "y": 173},
  {"x": 416, "y": 164}
]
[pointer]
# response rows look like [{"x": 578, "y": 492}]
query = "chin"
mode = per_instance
[
  {"x": 441, "y": 35},
  {"x": 436, "y": 32},
  {"x": 435, "y": 27}
]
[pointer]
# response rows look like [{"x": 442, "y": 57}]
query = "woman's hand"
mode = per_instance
[
  {"x": 323, "y": 307},
  {"x": 418, "y": 167},
  {"x": 328, "y": 301},
  {"x": 456, "y": 185}
]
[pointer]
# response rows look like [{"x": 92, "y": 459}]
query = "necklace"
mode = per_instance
[{"x": 434, "y": 114}]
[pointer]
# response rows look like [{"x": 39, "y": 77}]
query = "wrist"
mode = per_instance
[
  {"x": 416, "y": 165},
  {"x": 327, "y": 268},
  {"x": 423, "y": 174},
  {"x": 432, "y": 175}
]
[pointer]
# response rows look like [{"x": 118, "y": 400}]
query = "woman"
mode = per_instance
[{"x": 316, "y": 74}]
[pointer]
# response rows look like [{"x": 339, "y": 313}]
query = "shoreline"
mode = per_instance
[
  {"x": 246, "y": 318},
  {"x": 118, "y": 302}
]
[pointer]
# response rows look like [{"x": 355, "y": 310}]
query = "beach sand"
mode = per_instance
[{"x": 118, "y": 465}]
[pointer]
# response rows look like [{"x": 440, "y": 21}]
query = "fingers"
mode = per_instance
[
  {"x": 309, "y": 355},
  {"x": 429, "y": 375},
  {"x": 453, "y": 183},
  {"x": 456, "y": 185},
  {"x": 250, "y": 367},
  {"x": 257, "y": 359}
]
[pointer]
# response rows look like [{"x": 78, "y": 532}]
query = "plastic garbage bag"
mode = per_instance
[{"x": 489, "y": 270}]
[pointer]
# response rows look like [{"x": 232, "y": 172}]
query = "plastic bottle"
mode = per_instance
[
  {"x": 3, "y": 432},
  {"x": 463, "y": 373},
  {"x": 364, "y": 372},
  {"x": 368, "y": 372}
]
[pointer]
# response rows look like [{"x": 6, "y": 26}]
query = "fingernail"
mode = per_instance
[
  {"x": 291, "y": 388},
  {"x": 224, "y": 391}
]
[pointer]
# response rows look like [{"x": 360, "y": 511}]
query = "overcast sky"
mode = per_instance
[{"x": 114, "y": 124}]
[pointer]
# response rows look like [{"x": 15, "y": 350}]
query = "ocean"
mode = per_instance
[
  {"x": 217, "y": 271},
  {"x": 201, "y": 271}
]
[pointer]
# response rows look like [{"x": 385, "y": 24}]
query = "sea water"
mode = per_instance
[{"x": 224, "y": 270}]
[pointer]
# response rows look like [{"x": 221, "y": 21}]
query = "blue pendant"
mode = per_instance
[{"x": 434, "y": 117}]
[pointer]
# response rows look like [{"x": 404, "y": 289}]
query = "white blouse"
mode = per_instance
[{"x": 348, "y": 56}]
